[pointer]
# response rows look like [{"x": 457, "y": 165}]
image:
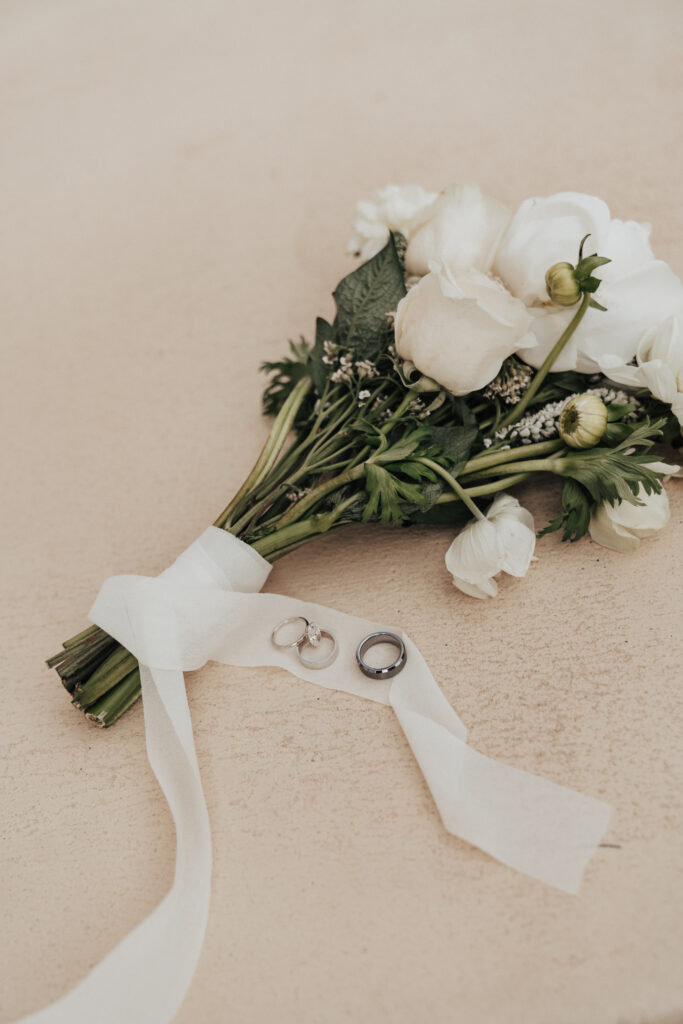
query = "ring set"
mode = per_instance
[{"x": 311, "y": 635}]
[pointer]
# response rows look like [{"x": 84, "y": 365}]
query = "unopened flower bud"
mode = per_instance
[
  {"x": 583, "y": 421},
  {"x": 561, "y": 284}
]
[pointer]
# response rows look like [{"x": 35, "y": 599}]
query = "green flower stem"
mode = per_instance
[
  {"x": 274, "y": 443},
  {"x": 116, "y": 702},
  {"x": 496, "y": 458},
  {"x": 484, "y": 489},
  {"x": 407, "y": 401},
  {"x": 116, "y": 667},
  {"x": 518, "y": 410},
  {"x": 312, "y": 455},
  {"x": 531, "y": 466},
  {"x": 289, "y": 462},
  {"x": 457, "y": 489},
  {"x": 281, "y": 552},
  {"x": 301, "y": 531},
  {"x": 321, "y": 491},
  {"x": 84, "y": 635}
]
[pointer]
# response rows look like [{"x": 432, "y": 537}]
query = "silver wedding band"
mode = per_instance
[
  {"x": 318, "y": 662},
  {"x": 385, "y": 671}
]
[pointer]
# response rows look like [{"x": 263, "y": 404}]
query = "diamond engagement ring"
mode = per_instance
[
  {"x": 310, "y": 635},
  {"x": 301, "y": 638}
]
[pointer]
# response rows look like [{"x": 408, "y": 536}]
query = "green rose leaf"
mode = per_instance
[
  {"x": 365, "y": 299},
  {"x": 455, "y": 443}
]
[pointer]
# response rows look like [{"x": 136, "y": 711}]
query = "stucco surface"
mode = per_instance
[{"x": 176, "y": 188}]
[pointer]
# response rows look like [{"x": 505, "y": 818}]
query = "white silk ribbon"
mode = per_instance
[{"x": 206, "y": 607}]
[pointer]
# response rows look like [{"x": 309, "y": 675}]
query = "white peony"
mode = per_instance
[
  {"x": 459, "y": 330},
  {"x": 461, "y": 230},
  {"x": 659, "y": 365},
  {"x": 638, "y": 290},
  {"x": 392, "y": 208},
  {"x": 503, "y": 541},
  {"x": 621, "y": 525}
]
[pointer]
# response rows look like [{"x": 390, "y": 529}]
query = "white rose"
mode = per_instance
[
  {"x": 659, "y": 365},
  {"x": 621, "y": 526},
  {"x": 638, "y": 290},
  {"x": 459, "y": 330},
  {"x": 504, "y": 541},
  {"x": 462, "y": 230},
  {"x": 392, "y": 208}
]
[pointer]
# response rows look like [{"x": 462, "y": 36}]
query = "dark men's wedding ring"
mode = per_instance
[{"x": 386, "y": 671}]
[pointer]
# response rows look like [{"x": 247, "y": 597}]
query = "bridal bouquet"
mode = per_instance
[{"x": 470, "y": 350}]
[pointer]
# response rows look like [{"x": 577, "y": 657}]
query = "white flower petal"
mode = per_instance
[
  {"x": 640, "y": 300},
  {"x": 659, "y": 364},
  {"x": 488, "y": 588},
  {"x": 609, "y": 534},
  {"x": 462, "y": 231},
  {"x": 620, "y": 372},
  {"x": 544, "y": 231},
  {"x": 627, "y": 244},
  {"x": 394, "y": 207},
  {"x": 503, "y": 542},
  {"x": 621, "y": 525},
  {"x": 459, "y": 331},
  {"x": 665, "y": 343},
  {"x": 665, "y": 467}
]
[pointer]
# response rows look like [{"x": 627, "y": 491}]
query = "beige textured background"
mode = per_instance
[{"x": 177, "y": 183}]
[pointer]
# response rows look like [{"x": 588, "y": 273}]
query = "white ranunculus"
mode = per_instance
[
  {"x": 504, "y": 541},
  {"x": 461, "y": 230},
  {"x": 459, "y": 330},
  {"x": 659, "y": 365},
  {"x": 638, "y": 290},
  {"x": 621, "y": 525},
  {"x": 392, "y": 208}
]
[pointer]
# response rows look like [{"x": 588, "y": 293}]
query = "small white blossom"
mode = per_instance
[
  {"x": 296, "y": 493},
  {"x": 344, "y": 371},
  {"x": 543, "y": 424},
  {"x": 366, "y": 368},
  {"x": 511, "y": 383},
  {"x": 330, "y": 351},
  {"x": 363, "y": 396}
]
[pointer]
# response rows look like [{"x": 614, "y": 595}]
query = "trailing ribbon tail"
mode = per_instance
[{"x": 206, "y": 606}]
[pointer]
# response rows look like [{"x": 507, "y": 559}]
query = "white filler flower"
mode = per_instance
[
  {"x": 459, "y": 330},
  {"x": 659, "y": 365},
  {"x": 502, "y": 541},
  {"x": 392, "y": 208},
  {"x": 621, "y": 526},
  {"x": 638, "y": 291}
]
